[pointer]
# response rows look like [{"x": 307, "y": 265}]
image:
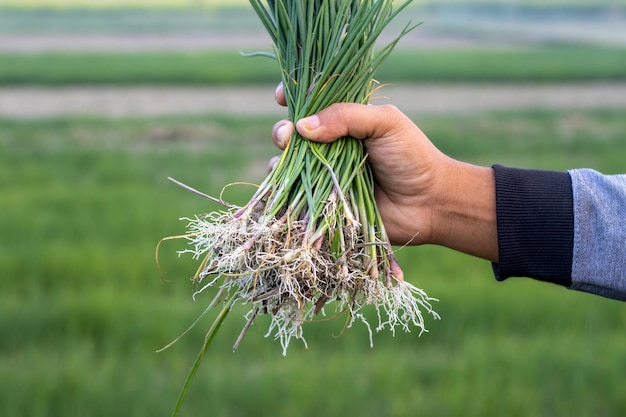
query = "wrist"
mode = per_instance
[{"x": 464, "y": 210}]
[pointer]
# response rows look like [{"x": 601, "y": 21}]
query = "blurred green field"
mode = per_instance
[
  {"x": 83, "y": 309},
  {"x": 236, "y": 17},
  {"x": 230, "y": 3},
  {"x": 516, "y": 61},
  {"x": 540, "y": 64}
]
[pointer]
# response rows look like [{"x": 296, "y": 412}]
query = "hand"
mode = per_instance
[{"x": 423, "y": 195}]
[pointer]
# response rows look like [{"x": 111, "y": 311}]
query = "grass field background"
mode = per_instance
[
  {"x": 84, "y": 202},
  {"x": 83, "y": 308}
]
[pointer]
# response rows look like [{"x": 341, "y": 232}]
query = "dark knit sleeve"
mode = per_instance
[{"x": 535, "y": 222}]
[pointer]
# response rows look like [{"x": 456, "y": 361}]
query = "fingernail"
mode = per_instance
[
  {"x": 283, "y": 136},
  {"x": 279, "y": 89},
  {"x": 310, "y": 123},
  {"x": 272, "y": 164}
]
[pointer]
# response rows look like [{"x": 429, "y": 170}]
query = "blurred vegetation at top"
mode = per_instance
[
  {"x": 230, "y": 3},
  {"x": 484, "y": 41}
]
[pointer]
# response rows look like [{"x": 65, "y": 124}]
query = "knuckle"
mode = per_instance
[{"x": 390, "y": 109}]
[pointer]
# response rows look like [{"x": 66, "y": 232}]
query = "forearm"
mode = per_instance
[
  {"x": 567, "y": 228},
  {"x": 521, "y": 220}
]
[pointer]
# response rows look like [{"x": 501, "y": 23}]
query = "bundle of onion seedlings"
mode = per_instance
[{"x": 312, "y": 235}]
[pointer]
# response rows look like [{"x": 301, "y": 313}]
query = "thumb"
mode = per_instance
[{"x": 359, "y": 121}]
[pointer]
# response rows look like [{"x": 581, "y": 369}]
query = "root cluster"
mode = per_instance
[{"x": 281, "y": 269}]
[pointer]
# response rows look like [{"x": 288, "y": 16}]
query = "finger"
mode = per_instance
[
  {"x": 280, "y": 95},
  {"x": 281, "y": 133},
  {"x": 349, "y": 119}
]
